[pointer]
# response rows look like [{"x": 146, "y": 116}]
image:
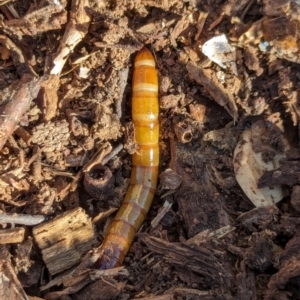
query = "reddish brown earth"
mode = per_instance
[{"x": 65, "y": 80}]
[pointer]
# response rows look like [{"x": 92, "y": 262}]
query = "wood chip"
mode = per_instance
[
  {"x": 197, "y": 259},
  {"x": 11, "y": 236},
  {"x": 65, "y": 239}
]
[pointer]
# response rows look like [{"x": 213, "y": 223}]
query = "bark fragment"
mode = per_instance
[{"x": 64, "y": 239}]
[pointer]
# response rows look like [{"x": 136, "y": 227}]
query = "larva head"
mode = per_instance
[{"x": 144, "y": 58}]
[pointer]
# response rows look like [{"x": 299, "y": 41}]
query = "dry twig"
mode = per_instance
[
  {"x": 12, "y": 112},
  {"x": 22, "y": 219}
]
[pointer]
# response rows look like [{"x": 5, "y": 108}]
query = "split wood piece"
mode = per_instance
[
  {"x": 74, "y": 277},
  {"x": 216, "y": 90},
  {"x": 80, "y": 277},
  {"x": 12, "y": 236},
  {"x": 65, "y": 239},
  {"x": 206, "y": 235},
  {"x": 76, "y": 30},
  {"x": 104, "y": 150},
  {"x": 200, "y": 260},
  {"x": 10, "y": 286},
  {"x": 12, "y": 112}
]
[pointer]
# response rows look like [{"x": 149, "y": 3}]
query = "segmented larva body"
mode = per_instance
[{"x": 145, "y": 163}]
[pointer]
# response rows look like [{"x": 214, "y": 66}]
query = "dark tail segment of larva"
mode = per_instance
[{"x": 145, "y": 163}]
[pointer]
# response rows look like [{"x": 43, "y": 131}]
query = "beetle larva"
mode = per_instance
[{"x": 145, "y": 162}]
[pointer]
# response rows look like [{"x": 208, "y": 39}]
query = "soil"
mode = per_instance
[{"x": 65, "y": 78}]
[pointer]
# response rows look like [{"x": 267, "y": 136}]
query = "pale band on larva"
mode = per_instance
[
  {"x": 147, "y": 87},
  {"x": 146, "y": 117},
  {"x": 145, "y": 62}
]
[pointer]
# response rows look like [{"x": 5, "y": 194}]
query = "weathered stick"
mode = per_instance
[
  {"x": 12, "y": 112},
  {"x": 22, "y": 219}
]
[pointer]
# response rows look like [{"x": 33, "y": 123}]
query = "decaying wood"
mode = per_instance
[
  {"x": 206, "y": 235},
  {"x": 74, "y": 277},
  {"x": 216, "y": 90},
  {"x": 81, "y": 276},
  {"x": 202, "y": 261},
  {"x": 200, "y": 254},
  {"x": 259, "y": 216},
  {"x": 198, "y": 201},
  {"x": 22, "y": 259},
  {"x": 10, "y": 286},
  {"x": 11, "y": 236},
  {"x": 289, "y": 268},
  {"x": 65, "y": 239}
]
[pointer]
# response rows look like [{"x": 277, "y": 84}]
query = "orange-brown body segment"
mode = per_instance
[{"x": 145, "y": 163}]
